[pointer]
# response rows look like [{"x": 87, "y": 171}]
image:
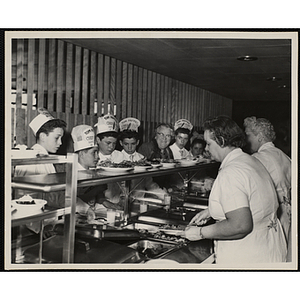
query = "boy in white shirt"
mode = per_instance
[
  {"x": 182, "y": 129},
  {"x": 107, "y": 135},
  {"x": 90, "y": 200},
  {"x": 129, "y": 140}
]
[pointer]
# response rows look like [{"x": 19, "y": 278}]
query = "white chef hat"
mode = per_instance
[
  {"x": 130, "y": 124},
  {"x": 183, "y": 123},
  {"x": 83, "y": 137},
  {"x": 107, "y": 123},
  {"x": 43, "y": 117}
]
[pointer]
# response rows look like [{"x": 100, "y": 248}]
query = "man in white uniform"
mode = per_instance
[
  {"x": 182, "y": 129},
  {"x": 260, "y": 136}
]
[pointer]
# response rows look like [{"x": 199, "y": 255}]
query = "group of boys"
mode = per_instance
[{"x": 96, "y": 146}]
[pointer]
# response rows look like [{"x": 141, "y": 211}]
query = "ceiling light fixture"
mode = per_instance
[
  {"x": 282, "y": 86},
  {"x": 274, "y": 78},
  {"x": 247, "y": 58}
]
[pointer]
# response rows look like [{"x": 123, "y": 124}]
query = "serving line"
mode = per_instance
[{"x": 56, "y": 181}]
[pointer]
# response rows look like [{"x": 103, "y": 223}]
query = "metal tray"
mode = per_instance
[{"x": 152, "y": 249}]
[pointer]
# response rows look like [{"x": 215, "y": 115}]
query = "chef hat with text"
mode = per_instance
[
  {"x": 43, "y": 117},
  {"x": 83, "y": 137},
  {"x": 131, "y": 124},
  {"x": 107, "y": 123},
  {"x": 183, "y": 123}
]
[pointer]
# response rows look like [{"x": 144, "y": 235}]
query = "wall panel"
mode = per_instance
[{"x": 68, "y": 80}]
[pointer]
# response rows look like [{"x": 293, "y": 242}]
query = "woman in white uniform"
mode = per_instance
[
  {"x": 242, "y": 201},
  {"x": 260, "y": 136}
]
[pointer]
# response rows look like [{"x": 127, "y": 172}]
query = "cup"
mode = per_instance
[
  {"x": 143, "y": 207},
  {"x": 119, "y": 215},
  {"x": 167, "y": 201},
  {"x": 111, "y": 216}
]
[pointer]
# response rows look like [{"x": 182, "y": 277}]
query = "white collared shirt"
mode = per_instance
[
  {"x": 35, "y": 169},
  {"x": 116, "y": 156},
  {"x": 179, "y": 153},
  {"x": 132, "y": 157}
]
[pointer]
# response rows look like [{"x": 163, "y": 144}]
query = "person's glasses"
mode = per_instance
[{"x": 160, "y": 134}]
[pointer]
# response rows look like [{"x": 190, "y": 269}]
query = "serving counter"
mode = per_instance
[{"x": 133, "y": 239}]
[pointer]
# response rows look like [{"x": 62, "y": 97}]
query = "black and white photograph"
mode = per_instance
[{"x": 151, "y": 150}]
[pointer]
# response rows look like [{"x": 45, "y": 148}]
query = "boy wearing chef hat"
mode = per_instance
[
  {"x": 107, "y": 134},
  {"x": 84, "y": 145},
  {"x": 182, "y": 129},
  {"x": 129, "y": 139},
  {"x": 48, "y": 132},
  {"x": 90, "y": 200}
]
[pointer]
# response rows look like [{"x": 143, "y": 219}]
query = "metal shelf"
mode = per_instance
[
  {"x": 56, "y": 182},
  {"x": 70, "y": 187}
]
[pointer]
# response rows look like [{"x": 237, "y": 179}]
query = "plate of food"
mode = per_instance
[
  {"x": 118, "y": 170},
  {"x": 26, "y": 205},
  {"x": 156, "y": 164},
  {"x": 141, "y": 165},
  {"x": 142, "y": 168},
  {"x": 188, "y": 162},
  {"x": 168, "y": 164}
]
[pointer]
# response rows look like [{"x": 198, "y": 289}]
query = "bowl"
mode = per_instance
[
  {"x": 28, "y": 207},
  {"x": 16, "y": 153}
]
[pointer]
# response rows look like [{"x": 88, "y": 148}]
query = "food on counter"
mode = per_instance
[
  {"x": 26, "y": 199},
  {"x": 172, "y": 238},
  {"x": 172, "y": 226},
  {"x": 141, "y": 163},
  {"x": 109, "y": 164},
  {"x": 162, "y": 236}
]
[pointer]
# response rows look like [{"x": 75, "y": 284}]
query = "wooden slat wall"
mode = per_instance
[{"x": 69, "y": 81}]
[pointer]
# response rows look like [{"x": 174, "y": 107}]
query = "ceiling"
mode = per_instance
[{"x": 210, "y": 64}]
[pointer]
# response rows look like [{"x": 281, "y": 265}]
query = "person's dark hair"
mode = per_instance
[
  {"x": 198, "y": 141},
  {"x": 50, "y": 126},
  {"x": 225, "y": 132},
  {"x": 107, "y": 134},
  {"x": 182, "y": 130},
  {"x": 129, "y": 134}
]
